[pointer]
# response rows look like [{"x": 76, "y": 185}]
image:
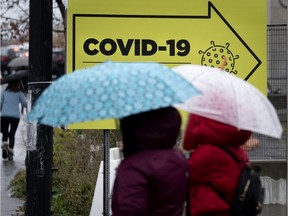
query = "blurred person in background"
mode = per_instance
[{"x": 11, "y": 98}]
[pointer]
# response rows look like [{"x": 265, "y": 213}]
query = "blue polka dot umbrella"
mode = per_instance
[{"x": 110, "y": 90}]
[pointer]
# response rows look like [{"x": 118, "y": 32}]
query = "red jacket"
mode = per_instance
[{"x": 210, "y": 167}]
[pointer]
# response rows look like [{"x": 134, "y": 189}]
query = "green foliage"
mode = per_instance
[
  {"x": 77, "y": 164},
  {"x": 18, "y": 185},
  {"x": 76, "y": 158}
]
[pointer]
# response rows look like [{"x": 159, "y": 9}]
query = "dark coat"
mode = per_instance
[
  {"x": 153, "y": 177},
  {"x": 210, "y": 167}
]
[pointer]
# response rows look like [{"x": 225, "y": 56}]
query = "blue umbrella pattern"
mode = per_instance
[{"x": 110, "y": 90}]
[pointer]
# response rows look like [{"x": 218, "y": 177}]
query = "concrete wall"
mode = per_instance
[{"x": 276, "y": 13}]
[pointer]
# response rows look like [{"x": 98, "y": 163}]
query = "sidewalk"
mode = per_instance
[{"x": 10, "y": 205}]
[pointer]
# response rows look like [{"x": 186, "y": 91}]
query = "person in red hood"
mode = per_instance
[
  {"x": 152, "y": 179},
  {"x": 211, "y": 169}
]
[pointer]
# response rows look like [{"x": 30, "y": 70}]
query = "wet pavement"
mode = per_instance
[{"x": 10, "y": 205}]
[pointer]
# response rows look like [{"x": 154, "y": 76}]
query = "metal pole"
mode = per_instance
[
  {"x": 40, "y": 139},
  {"x": 106, "y": 174},
  {"x": 286, "y": 114}
]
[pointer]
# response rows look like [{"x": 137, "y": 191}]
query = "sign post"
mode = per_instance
[{"x": 40, "y": 139}]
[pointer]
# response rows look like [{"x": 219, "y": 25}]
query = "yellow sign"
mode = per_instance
[{"x": 170, "y": 32}]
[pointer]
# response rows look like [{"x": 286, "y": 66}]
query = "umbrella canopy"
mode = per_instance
[
  {"x": 19, "y": 75},
  {"x": 229, "y": 99},
  {"x": 19, "y": 62},
  {"x": 110, "y": 90}
]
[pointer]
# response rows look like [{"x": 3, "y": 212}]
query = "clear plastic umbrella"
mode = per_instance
[{"x": 228, "y": 99}]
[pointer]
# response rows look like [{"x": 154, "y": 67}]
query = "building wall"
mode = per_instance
[
  {"x": 275, "y": 173},
  {"x": 276, "y": 12}
]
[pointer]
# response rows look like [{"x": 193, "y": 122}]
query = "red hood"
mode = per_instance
[{"x": 201, "y": 130}]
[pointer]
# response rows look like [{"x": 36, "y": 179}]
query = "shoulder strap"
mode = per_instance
[{"x": 228, "y": 151}]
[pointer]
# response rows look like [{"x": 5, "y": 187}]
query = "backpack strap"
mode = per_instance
[
  {"x": 221, "y": 195},
  {"x": 228, "y": 151}
]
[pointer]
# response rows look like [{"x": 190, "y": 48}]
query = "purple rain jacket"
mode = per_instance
[{"x": 152, "y": 179}]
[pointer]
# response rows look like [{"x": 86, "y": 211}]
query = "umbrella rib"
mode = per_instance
[{"x": 233, "y": 87}]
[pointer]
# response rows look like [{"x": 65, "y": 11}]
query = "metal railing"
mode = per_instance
[{"x": 274, "y": 149}]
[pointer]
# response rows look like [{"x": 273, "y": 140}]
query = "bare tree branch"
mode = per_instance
[
  {"x": 15, "y": 19},
  {"x": 61, "y": 8}
]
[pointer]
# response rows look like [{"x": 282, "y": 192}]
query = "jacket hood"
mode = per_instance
[
  {"x": 156, "y": 129},
  {"x": 201, "y": 130}
]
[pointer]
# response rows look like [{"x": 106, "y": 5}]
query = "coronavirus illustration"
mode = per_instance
[{"x": 215, "y": 55}]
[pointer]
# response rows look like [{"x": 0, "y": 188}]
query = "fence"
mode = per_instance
[{"x": 274, "y": 149}]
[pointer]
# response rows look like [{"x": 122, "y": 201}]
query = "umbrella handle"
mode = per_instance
[{"x": 223, "y": 63}]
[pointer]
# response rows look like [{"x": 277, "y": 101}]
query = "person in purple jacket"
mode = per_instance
[{"x": 152, "y": 178}]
